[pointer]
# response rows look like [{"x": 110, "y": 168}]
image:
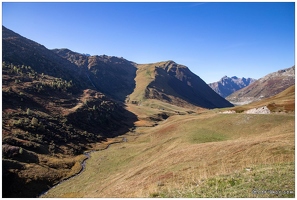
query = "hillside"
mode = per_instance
[
  {"x": 111, "y": 75},
  {"x": 226, "y": 85},
  {"x": 19, "y": 50},
  {"x": 265, "y": 87},
  {"x": 175, "y": 84},
  {"x": 282, "y": 102},
  {"x": 203, "y": 154},
  {"x": 46, "y": 128},
  {"x": 51, "y": 114}
]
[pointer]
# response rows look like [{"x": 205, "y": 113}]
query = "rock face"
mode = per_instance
[
  {"x": 265, "y": 87},
  {"x": 227, "y": 85}
]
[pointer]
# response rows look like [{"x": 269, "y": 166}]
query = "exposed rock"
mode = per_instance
[
  {"x": 228, "y": 112},
  {"x": 260, "y": 110}
]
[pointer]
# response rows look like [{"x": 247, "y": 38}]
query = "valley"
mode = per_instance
[
  {"x": 184, "y": 153},
  {"x": 140, "y": 130}
]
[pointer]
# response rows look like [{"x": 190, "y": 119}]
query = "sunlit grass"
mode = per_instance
[
  {"x": 211, "y": 150},
  {"x": 262, "y": 181}
]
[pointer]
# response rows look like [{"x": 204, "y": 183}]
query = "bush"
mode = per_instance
[{"x": 34, "y": 121}]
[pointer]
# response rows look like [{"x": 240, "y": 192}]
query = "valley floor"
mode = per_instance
[{"x": 192, "y": 154}]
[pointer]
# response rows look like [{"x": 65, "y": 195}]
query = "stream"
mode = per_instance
[{"x": 83, "y": 167}]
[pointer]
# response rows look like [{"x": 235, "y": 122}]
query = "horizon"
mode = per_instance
[{"x": 247, "y": 40}]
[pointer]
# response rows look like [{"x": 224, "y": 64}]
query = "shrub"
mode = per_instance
[
  {"x": 34, "y": 121},
  {"x": 28, "y": 111}
]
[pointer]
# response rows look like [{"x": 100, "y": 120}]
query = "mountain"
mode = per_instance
[
  {"x": 57, "y": 104},
  {"x": 265, "y": 87},
  {"x": 166, "y": 81},
  {"x": 227, "y": 85},
  {"x": 174, "y": 83}
]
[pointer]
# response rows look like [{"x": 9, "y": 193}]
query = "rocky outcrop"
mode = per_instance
[{"x": 260, "y": 110}]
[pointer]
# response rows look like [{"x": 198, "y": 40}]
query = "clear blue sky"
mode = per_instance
[{"x": 212, "y": 39}]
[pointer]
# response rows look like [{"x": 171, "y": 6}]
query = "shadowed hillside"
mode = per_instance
[
  {"x": 109, "y": 74},
  {"x": 51, "y": 115},
  {"x": 19, "y": 50}
]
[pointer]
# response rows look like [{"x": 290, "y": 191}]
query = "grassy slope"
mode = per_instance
[
  {"x": 205, "y": 148},
  {"x": 145, "y": 75}
]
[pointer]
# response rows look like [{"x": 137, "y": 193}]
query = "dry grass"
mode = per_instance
[
  {"x": 173, "y": 154},
  {"x": 145, "y": 75},
  {"x": 274, "y": 180}
]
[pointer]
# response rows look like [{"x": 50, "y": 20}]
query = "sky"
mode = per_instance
[{"x": 211, "y": 39}]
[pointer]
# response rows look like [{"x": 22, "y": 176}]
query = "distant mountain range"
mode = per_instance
[
  {"x": 227, "y": 85},
  {"x": 265, "y": 87}
]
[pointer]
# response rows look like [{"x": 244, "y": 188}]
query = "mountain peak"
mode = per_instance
[{"x": 226, "y": 85}]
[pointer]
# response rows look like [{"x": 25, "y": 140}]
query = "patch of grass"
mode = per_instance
[
  {"x": 203, "y": 135},
  {"x": 276, "y": 180}
]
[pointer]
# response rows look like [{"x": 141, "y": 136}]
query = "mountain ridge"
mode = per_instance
[{"x": 113, "y": 71}]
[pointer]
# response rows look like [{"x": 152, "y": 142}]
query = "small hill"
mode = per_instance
[
  {"x": 174, "y": 83},
  {"x": 265, "y": 87},
  {"x": 227, "y": 85}
]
